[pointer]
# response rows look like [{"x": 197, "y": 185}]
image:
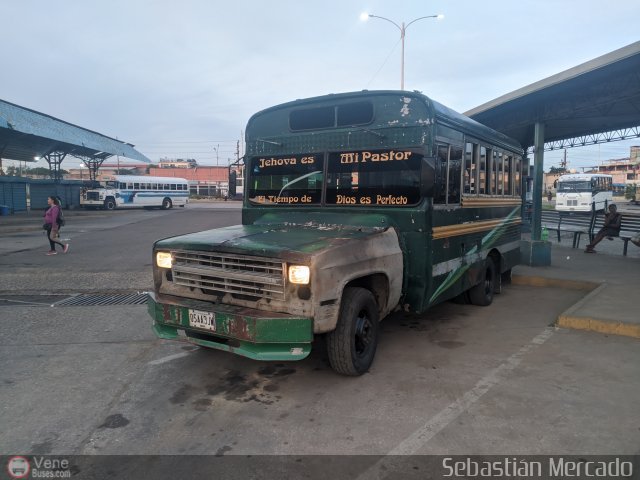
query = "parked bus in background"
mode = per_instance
[
  {"x": 355, "y": 205},
  {"x": 127, "y": 191},
  {"x": 584, "y": 192}
]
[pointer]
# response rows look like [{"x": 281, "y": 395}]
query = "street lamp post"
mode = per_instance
[{"x": 403, "y": 30}]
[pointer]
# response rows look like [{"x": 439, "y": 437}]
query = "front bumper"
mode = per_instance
[{"x": 244, "y": 331}]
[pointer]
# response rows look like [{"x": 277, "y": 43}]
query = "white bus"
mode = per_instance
[
  {"x": 126, "y": 191},
  {"x": 584, "y": 192}
]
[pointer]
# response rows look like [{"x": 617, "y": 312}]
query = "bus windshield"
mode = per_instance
[
  {"x": 292, "y": 179},
  {"x": 373, "y": 177},
  {"x": 368, "y": 178},
  {"x": 575, "y": 186}
]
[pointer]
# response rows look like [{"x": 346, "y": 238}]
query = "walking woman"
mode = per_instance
[{"x": 51, "y": 225}]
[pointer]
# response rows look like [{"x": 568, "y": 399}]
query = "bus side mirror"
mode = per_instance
[{"x": 427, "y": 181}]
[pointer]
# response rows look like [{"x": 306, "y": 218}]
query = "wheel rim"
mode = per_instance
[
  {"x": 363, "y": 333},
  {"x": 488, "y": 282}
]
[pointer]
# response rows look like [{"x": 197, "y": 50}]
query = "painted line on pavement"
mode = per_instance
[{"x": 418, "y": 439}]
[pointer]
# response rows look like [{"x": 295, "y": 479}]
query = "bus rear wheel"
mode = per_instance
[
  {"x": 352, "y": 345},
  {"x": 482, "y": 293},
  {"x": 166, "y": 204}
]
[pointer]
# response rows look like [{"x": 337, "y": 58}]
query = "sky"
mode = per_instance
[{"x": 181, "y": 79}]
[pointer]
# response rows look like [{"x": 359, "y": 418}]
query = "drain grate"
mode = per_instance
[{"x": 90, "y": 300}]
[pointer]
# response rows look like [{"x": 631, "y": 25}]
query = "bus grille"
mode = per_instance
[
  {"x": 93, "y": 195},
  {"x": 572, "y": 203},
  {"x": 235, "y": 274}
]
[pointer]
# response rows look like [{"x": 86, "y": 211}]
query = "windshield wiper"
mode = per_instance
[
  {"x": 297, "y": 180},
  {"x": 377, "y": 134},
  {"x": 268, "y": 141}
]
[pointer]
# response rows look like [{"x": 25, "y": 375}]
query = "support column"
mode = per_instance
[
  {"x": 536, "y": 252},
  {"x": 93, "y": 164},
  {"x": 54, "y": 159},
  {"x": 538, "y": 175}
]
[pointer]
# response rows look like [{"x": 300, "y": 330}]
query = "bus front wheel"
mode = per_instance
[
  {"x": 109, "y": 204},
  {"x": 352, "y": 345},
  {"x": 482, "y": 293},
  {"x": 166, "y": 204}
]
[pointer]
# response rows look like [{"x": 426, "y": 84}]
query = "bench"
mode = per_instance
[
  {"x": 630, "y": 226},
  {"x": 575, "y": 223}
]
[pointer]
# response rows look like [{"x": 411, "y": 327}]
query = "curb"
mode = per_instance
[
  {"x": 534, "y": 281},
  {"x": 568, "y": 318}
]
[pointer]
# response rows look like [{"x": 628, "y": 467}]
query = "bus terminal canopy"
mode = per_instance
[
  {"x": 582, "y": 103},
  {"x": 595, "y": 102},
  {"x": 27, "y": 135}
]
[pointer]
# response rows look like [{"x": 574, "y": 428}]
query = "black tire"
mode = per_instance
[
  {"x": 109, "y": 204},
  {"x": 352, "y": 345},
  {"x": 482, "y": 293},
  {"x": 166, "y": 204},
  {"x": 462, "y": 299}
]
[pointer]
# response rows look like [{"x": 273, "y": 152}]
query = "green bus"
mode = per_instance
[{"x": 355, "y": 205}]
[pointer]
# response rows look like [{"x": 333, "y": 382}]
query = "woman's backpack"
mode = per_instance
[{"x": 60, "y": 220}]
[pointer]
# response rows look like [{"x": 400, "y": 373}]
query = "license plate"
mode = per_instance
[{"x": 204, "y": 320}]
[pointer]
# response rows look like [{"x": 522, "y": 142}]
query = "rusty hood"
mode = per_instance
[{"x": 290, "y": 237}]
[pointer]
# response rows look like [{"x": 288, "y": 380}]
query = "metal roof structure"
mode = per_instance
[
  {"x": 25, "y": 134},
  {"x": 577, "y": 107}
]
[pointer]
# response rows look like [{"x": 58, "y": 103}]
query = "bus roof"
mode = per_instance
[
  {"x": 442, "y": 113},
  {"x": 144, "y": 178},
  {"x": 582, "y": 176}
]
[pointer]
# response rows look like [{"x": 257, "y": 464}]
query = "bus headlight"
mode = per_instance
[
  {"x": 164, "y": 259},
  {"x": 299, "y": 274}
]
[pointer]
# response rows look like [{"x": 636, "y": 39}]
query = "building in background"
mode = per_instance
[
  {"x": 109, "y": 169},
  {"x": 177, "y": 163},
  {"x": 623, "y": 170}
]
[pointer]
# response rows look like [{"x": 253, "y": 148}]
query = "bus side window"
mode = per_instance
[
  {"x": 482, "y": 171},
  {"x": 517, "y": 178},
  {"x": 440, "y": 190},
  {"x": 500, "y": 174},
  {"x": 470, "y": 168},
  {"x": 455, "y": 165},
  {"x": 508, "y": 179},
  {"x": 493, "y": 174}
]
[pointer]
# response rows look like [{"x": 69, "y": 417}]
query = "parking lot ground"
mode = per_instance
[{"x": 463, "y": 379}]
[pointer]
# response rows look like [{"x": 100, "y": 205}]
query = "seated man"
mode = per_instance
[{"x": 611, "y": 228}]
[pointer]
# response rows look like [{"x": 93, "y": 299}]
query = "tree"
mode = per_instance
[{"x": 555, "y": 170}]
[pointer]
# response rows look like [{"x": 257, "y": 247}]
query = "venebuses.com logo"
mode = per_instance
[
  {"x": 38, "y": 467},
  {"x": 18, "y": 467}
]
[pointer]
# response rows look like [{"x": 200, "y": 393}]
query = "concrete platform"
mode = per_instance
[{"x": 611, "y": 283}]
